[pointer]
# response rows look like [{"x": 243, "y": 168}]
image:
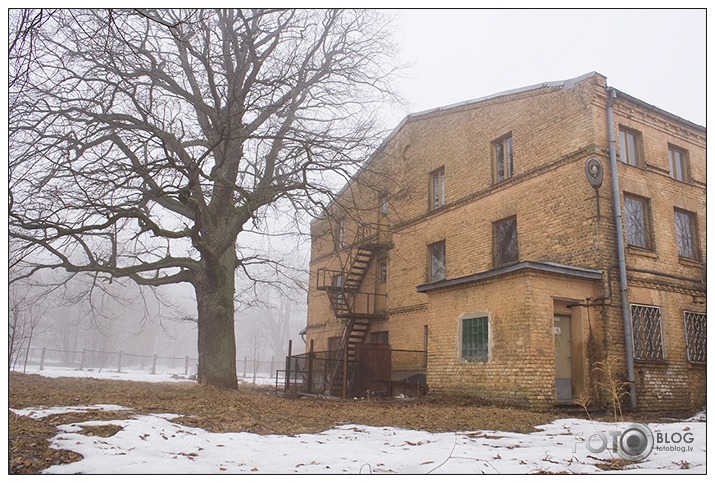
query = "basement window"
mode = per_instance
[
  {"x": 475, "y": 339},
  {"x": 696, "y": 336},
  {"x": 647, "y": 333}
]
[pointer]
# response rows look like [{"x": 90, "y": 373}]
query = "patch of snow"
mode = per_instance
[{"x": 154, "y": 444}]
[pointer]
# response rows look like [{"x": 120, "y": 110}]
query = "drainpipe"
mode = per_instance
[{"x": 625, "y": 305}]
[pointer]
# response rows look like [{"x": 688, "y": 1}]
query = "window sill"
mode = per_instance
[
  {"x": 651, "y": 362},
  {"x": 472, "y": 361},
  {"x": 637, "y": 166},
  {"x": 503, "y": 181},
  {"x": 641, "y": 252},
  {"x": 691, "y": 262}
]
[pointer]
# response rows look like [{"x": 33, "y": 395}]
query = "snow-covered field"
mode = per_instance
[{"x": 154, "y": 444}]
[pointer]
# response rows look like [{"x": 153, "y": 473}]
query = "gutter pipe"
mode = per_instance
[{"x": 617, "y": 215}]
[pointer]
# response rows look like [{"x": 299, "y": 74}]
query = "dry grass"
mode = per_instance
[
  {"x": 258, "y": 410},
  {"x": 252, "y": 409}
]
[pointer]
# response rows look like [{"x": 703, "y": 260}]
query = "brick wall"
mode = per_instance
[{"x": 560, "y": 219}]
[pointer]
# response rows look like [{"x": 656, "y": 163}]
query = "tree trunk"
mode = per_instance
[{"x": 217, "y": 344}]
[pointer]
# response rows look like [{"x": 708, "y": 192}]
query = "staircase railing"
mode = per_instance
[
  {"x": 373, "y": 233},
  {"x": 346, "y": 300}
]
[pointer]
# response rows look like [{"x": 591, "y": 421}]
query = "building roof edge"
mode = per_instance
[{"x": 547, "y": 267}]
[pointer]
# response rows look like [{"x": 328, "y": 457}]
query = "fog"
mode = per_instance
[{"x": 82, "y": 322}]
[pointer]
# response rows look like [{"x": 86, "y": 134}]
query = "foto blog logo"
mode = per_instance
[{"x": 634, "y": 442}]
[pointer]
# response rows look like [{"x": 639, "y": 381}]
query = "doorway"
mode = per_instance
[{"x": 563, "y": 355}]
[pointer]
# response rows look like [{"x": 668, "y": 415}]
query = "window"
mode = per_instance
[
  {"x": 338, "y": 292},
  {"x": 384, "y": 204},
  {"x": 475, "y": 339},
  {"x": 678, "y": 161},
  {"x": 340, "y": 238},
  {"x": 438, "y": 261},
  {"x": 685, "y": 234},
  {"x": 647, "y": 333},
  {"x": 503, "y": 158},
  {"x": 506, "y": 244},
  {"x": 696, "y": 336},
  {"x": 637, "y": 216},
  {"x": 436, "y": 190},
  {"x": 630, "y": 146},
  {"x": 379, "y": 337},
  {"x": 382, "y": 272}
]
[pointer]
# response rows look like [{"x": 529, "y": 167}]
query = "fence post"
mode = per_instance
[
  {"x": 186, "y": 368},
  {"x": 310, "y": 367},
  {"x": 153, "y": 365},
  {"x": 42, "y": 359},
  {"x": 245, "y": 362},
  {"x": 345, "y": 373},
  {"x": 119, "y": 364},
  {"x": 290, "y": 350},
  {"x": 81, "y": 363}
]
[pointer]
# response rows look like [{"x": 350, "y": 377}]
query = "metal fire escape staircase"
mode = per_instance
[{"x": 354, "y": 308}]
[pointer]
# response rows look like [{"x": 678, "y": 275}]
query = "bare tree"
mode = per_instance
[
  {"x": 145, "y": 147},
  {"x": 24, "y": 316}
]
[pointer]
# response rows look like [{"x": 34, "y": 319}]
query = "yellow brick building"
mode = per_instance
[{"x": 474, "y": 234}]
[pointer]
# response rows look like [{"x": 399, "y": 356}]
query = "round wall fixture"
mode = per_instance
[{"x": 594, "y": 172}]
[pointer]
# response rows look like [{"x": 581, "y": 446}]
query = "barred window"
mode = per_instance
[
  {"x": 475, "y": 339},
  {"x": 685, "y": 234},
  {"x": 506, "y": 243},
  {"x": 637, "y": 216},
  {"x": 647, "y": 333},
  {"x": 696, "y": 336}
]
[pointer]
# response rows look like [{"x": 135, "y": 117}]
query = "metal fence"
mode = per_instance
[
  {"x": 315, "y": 373},
  {"x": 46, "y": 359}
]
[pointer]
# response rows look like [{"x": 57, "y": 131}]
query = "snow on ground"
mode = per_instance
[
  {"x": 153, "y": 444},
  {"x": 137, "y": 375}
]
